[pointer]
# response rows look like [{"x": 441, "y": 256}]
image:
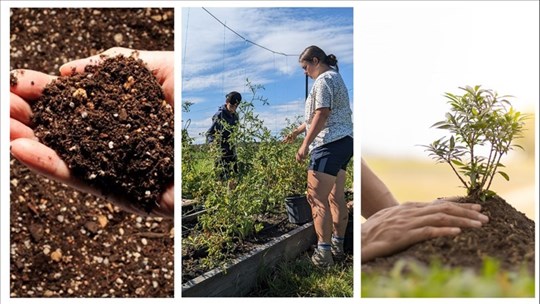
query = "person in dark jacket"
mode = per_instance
[{"x": 222, "y": 123}]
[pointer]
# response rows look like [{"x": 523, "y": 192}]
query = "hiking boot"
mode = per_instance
[
  {"x": 337, "y": 250},
  {"x": 322, "y": 258}
]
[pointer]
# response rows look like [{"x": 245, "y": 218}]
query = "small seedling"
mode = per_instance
[{"x": 483, "y": 127}]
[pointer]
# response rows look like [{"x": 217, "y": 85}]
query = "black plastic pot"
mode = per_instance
[{"x": 298, "y": 209}]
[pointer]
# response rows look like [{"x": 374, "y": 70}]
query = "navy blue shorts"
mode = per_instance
[{"x": 332, "y": 157}]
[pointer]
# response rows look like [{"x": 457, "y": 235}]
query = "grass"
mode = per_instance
[
  {"x": 437, "y": 281},
  {"x": 299, "y": 278}
]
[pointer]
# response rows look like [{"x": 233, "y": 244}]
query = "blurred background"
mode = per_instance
[{"x": 410, "y": 55}]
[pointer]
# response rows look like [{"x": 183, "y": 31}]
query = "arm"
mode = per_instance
[
  {"x": 292, "y": 137},
  {"x": 319, "y": 121},
  {"x": 375, "y": 195},
  {"x": 391, "y": 227}
]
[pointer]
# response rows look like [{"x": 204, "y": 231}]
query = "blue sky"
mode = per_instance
[{"x": 216, "y": 61}]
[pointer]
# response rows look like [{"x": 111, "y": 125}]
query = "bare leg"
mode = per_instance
[
  {"x": 319, "y": 187},
  {"x": 338, "y": 206}
]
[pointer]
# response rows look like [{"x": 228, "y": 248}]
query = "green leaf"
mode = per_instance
[
  {"x": 439, "y": 123},
  {"x": 506, "y": 177},
  {"x": 457, "y": 163}
]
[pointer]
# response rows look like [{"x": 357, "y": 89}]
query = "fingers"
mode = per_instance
[
  {"x": 455, "y": 199},
  {"x": 40, "y": 158},
  {"x": 19, "y": 109},
  {"x": 20, "y": 130},
  {"x": 425, "y": 233},
  {"x": 160, "y": 63},
  {"x": 468, "y": 211},
  {"x": 30, "y": 84},
  {"x": 43, "y": 160},
  {"x": 79, "y": 64}
]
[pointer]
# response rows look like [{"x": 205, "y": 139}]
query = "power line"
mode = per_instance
[{"x": 245, "y": 39}]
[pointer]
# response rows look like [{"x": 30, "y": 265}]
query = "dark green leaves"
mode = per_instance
[{"x": 479, "y": 121}]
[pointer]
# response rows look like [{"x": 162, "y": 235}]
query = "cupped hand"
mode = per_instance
[
  {"x": 28, "y": 150},
  {"x": 396, "y": 228},
  {"x": 161, "y": 63}
]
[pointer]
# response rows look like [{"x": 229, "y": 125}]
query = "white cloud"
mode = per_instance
[{"x": 206, "y": 62}]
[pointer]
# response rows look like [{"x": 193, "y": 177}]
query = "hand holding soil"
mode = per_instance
[
  {"x": 149, "y": 193},
  {"x": 396, "y": 228},
  {"x": 161, "y": 63}
]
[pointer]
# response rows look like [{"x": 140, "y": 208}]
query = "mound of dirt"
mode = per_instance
[
  {"x": 508, "y": 237},
  {"x": 113, "y": 128},
  {"x": 64, "y": 243}
]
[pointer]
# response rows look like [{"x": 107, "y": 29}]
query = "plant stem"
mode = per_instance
[
  {"x": 498, "y": 160},
  {"x": 457, "y": 174},
  {"x": 490, "y": 163}
]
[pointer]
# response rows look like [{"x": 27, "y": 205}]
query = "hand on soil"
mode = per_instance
[{"x": 396, "y": 228}]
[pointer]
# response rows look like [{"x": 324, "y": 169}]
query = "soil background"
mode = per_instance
[
  {"x": 508, "y": 237},
  {"x": 65, "y": 243}
]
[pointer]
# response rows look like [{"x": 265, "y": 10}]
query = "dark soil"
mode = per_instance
[
  {"x": 112, "y": 127},
  {"x": 507, "y": 237},
  {"x": 65, "y": 243}
]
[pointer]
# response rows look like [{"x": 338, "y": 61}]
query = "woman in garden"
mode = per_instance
[
  {"x": 328, "y": 139},
  {"x": 391, "y": 227},
  {"x": 42, "y": 159},
  {"x": 222, "y": 124}
]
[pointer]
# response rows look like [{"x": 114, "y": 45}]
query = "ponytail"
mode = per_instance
[{"x": 316, "y": 52}]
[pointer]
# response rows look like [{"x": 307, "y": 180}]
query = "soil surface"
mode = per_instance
[
  {"x": 507, "y": 237},
  {"x": 65, "y": 243},
  {"x": 112, "y": 127}
]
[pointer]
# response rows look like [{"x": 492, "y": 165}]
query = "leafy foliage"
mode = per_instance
[
  {"x": 478, "y": 119},
  {"x": 267, "y": 173},
  {"x": 439, "y": 281}
]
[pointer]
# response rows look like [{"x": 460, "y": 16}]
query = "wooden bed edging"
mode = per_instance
[{"x": 240, "y": 276}]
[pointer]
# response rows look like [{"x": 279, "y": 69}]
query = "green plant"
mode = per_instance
[
  {"x": 267, "y": 172},
  {"x": 483, "y": 127},
  {"x": 435, "y": 280}
]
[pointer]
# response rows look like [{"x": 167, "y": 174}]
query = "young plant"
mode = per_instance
[{"x": 483, "y": 127}]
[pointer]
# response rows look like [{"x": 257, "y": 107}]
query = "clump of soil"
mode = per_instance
[
  {"x": 98, "y": 249},
  {"x": 112, "y": 127},
  {"x": 508, "y": 237}
]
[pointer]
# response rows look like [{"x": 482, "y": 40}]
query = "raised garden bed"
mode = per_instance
[{"x": 239, "y": 276}]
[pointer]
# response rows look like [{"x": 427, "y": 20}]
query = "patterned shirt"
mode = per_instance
[{"x": 329, "y": 91}]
